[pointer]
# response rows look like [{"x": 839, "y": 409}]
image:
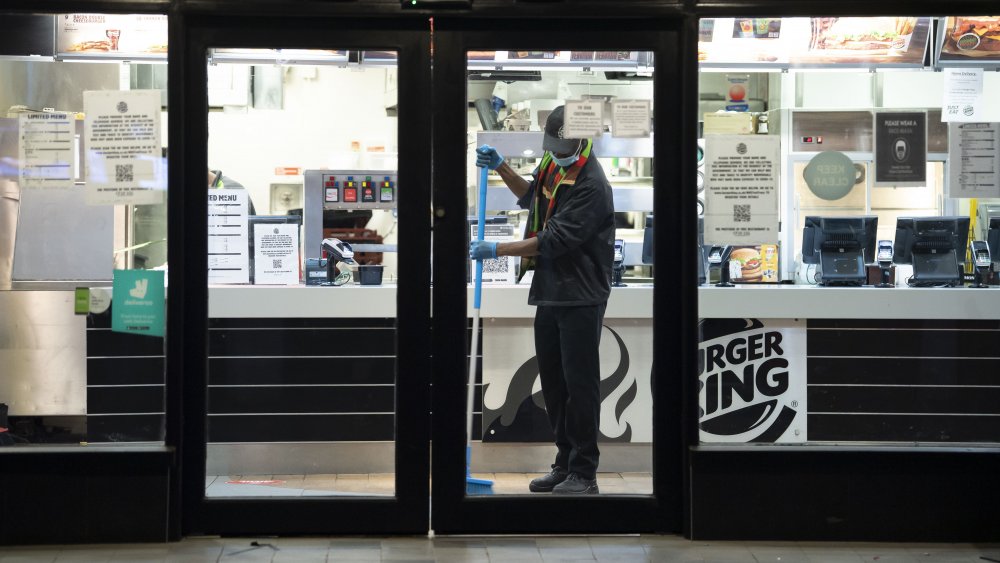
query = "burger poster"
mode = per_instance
[
  {"x": 752, "y": 381},
  {"x": 971, "y": 38},
  {"x": 116, "y": 36},
  {"x": 754, "y": 264}
]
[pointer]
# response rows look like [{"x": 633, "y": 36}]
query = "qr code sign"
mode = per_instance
[
  {"x": 275, "y": 262},
  {"x": 741, "y": 213},
  {"x": 496, "y": 265},
  {"x": 124, "y": 173}
]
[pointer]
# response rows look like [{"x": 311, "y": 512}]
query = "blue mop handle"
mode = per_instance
[{"x": 480, "y": 232}]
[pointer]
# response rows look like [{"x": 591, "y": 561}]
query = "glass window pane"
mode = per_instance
[
  {"x": 83, "y": 186},
  {"x": 887, "y": 362},
  {"x": 596, "y": 331},
  {"x": 302, "y": 193}
]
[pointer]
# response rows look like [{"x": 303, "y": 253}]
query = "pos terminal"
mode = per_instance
[{"x": 981, "y": 261}]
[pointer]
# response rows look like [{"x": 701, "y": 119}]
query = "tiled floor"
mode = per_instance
[
  {"x": 384, "y": 483},
  {"x": 503, "y": 549}
]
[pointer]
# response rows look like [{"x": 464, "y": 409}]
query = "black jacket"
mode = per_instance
[{"x": 576, "y": 247}]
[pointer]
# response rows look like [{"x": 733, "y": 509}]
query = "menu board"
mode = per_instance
[
  {"x": 282, "y": 56},
  {"x": 115, "y": 36},
  {"x": 788, "y": 42},
  {"x": 970, "y": 39},
  {"x": 549, "y": 59}
]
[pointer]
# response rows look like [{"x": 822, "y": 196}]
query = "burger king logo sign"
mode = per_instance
[{"x": 752, "y": 381}]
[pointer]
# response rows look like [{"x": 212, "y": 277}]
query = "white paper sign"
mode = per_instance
[
  {"x": 583, "y": 119},
  {"x": 973, "y": 160},
  {"x": 228, "y": 246},
  {"x": 122, "y": 143},
  {"x": 275, "y": 254},
  {"x": 498, "y": 270},
  {"x": 963, "y": 94},
  {"x": 45, "y": 150},
  {"x": 630, "y": 118},
  {"x": 741, "y": 189}
]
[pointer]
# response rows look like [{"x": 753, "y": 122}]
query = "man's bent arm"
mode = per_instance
[
  {"x": 526, "y": 247},
  {"x": 517, "y": 184}
]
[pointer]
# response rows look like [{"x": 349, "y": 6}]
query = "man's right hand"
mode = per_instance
[{"x": 488, "y": 157}]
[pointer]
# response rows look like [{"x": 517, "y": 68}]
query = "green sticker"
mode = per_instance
[
  {"x": 137, "y": 302},
  {"x": 831, "y": 175},
  {"x": 81, "y": 301}
]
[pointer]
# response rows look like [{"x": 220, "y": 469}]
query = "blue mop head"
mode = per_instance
[{"x": 475, "y": 486}]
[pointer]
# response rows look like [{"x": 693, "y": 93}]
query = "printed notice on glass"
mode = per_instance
[
  {"x": 275, "y": 254},
  {"x": 499, "y": 270},
  {"x": 741, "y": 189},
  {"x": 228, "y": 252},
  {"x": 122, "y": 143},
  {"x": 45, "y": 150},
  {"x": 630, "y": 118},
  {"x": 583, "y": 119},
  {"x": 974, "y": 160},
  {"x": 963, "y": 94}
]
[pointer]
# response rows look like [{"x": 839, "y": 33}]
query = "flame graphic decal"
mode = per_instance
[{"x": 522, "y": 416}]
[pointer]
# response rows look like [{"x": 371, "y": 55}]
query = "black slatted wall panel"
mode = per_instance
[
  {"x": 125, "y": 385},
  {"x": 304, "y": 380},
  {"x": 301, "y": 380},
  {"x": 903, "y": 381}
]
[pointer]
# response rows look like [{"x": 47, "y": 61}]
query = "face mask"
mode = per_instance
[{"x": 566, "y": 162}]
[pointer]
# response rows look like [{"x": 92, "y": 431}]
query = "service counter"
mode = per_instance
[
  {"x": 857, "y": 364},
  {"x": 634, "y": 301}
]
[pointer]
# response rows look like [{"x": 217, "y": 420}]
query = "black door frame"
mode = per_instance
[
  {"x": 192, "y": 32},
  {"x": 675, "y": 305}
]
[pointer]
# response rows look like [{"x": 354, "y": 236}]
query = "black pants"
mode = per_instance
[{"x": 567, "y": 340}]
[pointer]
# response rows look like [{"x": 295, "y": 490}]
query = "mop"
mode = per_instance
[{"x": 475, "y": 486}]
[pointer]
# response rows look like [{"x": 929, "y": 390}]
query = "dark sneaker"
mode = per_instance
[
  {"x": 576, "y": 485},
  {"x": 545, "y": 483}
]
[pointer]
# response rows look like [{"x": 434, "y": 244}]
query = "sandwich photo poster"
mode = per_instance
[
  {"x": 112, "y": 35},
  {"x": 971, "y": 39}
]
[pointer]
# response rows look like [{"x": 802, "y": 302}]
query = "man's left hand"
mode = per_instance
[{"x": 482, "y": 249}]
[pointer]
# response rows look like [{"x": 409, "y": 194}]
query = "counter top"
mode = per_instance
[
  {"x": 816, "y": 302},
  {"x": 632, "y": 302}
]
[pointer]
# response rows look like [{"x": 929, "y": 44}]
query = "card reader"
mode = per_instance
[
  {"x": 883, "y": 256},
  {"x": 981, "y": 262},
  {"x": 618, "y": 266},
  {"x": 718, "y": 257}
]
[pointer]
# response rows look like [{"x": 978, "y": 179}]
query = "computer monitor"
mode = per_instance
[
  {"x": 936, "y": 247},
  {"x": 647, "y": 246},
  {"x": 993, "y": 239},
  {"x": 841, "y": 246}
]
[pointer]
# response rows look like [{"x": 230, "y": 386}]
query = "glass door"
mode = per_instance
[
  {"x": 308, "y": 239},
  {"x": 544, "y": 140}
]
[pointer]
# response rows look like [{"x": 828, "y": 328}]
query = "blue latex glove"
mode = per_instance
[
  {"x": 482, "y": 249},
  {"x": 488, "y": 157}
]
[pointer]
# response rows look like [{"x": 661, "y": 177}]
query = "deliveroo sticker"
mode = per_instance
[
  {"x": 137, "y": 302},
  {"x": 830, "y": 175}
]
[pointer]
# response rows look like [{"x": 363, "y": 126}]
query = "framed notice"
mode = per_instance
[
  {"x": 900, "y": 149},
  {"x": 228, "y": 246},
  {"x": 741, "y": 189}
]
